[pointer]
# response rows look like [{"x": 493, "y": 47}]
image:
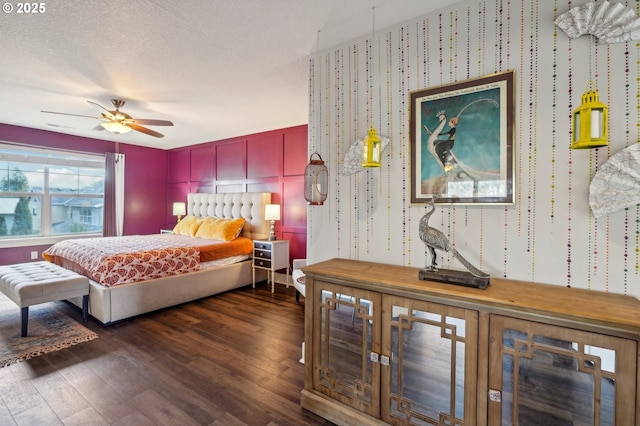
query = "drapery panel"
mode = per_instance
[{"x": 113, "y": 195}]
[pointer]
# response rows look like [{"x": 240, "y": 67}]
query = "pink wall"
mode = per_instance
[
  {"x": 271, "y": 161},
  {"x": 145, "y": 180}
]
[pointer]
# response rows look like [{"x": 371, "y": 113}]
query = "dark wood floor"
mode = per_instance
[{"x": 231, "y": 359}]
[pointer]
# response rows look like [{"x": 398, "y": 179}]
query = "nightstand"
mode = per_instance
[{"x": 271, "y": 256}]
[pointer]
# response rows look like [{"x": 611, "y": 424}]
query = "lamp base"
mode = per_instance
[{"x": 272, "y": 231}]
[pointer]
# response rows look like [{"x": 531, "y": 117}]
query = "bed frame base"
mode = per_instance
[{"x": 113, "y": 304}]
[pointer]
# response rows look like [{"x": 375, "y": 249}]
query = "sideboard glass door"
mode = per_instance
[
  {"x": 543, "y": 374},
  {"x": 346, "y": 346},
  {"x": 430, "y": 378}
]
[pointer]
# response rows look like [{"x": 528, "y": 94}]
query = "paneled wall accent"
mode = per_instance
[{"x": 272, "y": 161}]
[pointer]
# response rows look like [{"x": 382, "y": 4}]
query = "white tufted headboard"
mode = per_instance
[{"x": 234, "y": 205}]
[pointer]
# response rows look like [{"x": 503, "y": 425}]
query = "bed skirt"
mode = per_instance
[{"x": 112, "y": 304}]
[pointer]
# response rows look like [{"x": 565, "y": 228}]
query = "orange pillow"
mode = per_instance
[
  {"x": 188, "y": 226},
  {"x": 215, "y": 228}
]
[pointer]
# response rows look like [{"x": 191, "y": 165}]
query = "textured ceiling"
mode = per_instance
[{"x": 215, "y": 68}]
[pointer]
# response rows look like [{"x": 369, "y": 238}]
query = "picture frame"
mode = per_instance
[{"x": 462, "y": 142}]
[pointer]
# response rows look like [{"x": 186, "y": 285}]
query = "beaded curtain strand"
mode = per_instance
[
  {"x": 533, "y": 136},
  {"x": 390, "y": 132},
  {"x": 637, "y": 208},
  {"x": 425, "y": 83},
  {"x": 608, "y": 229},
  {"x": 505, "y": 64},
  {"x": 368, "y": 174},
  {"x": 592, "y": 231},
  {"x": 554, "y": 115},
  {"x": 312, "y": 116},
  {"x": 498, "y": 62},
  {"x": 467, "y": 75},
  {"x": 453, "y": 67},
  {"x": 521, "y": 124},
  {"x": 338, "y": 72},
  {"x": 328, "y": 144},
  {"x": 627, "y": 115},
  {"x": 482, "y": 24},
  {"x": 570, "y": 154},
  {"x": 355, "y": 210},
  {"x": 403, "y": 84}
]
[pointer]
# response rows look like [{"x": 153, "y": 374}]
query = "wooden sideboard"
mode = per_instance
[{"x": 383, "y": 347}]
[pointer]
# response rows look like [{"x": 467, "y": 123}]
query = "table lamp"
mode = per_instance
[
  {"x": 179, "y": 209},
  {"x": 272, "y": 213}
]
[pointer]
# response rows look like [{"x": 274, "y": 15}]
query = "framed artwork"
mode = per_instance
[{"x": 462, "y": 138}]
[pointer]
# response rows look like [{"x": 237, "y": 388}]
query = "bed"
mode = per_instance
[{"x": 112, "y": 303}]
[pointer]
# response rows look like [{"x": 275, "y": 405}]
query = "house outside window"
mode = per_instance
[
  {"x": 46, "y": 193},
  {"x": 85, "y": 215}
]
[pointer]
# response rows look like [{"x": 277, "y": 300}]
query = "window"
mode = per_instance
[
  {"x": 85, "y": 215},
  {"x": 46, "y": 193}
]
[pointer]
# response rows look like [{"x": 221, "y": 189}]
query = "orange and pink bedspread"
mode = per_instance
[{"x": 117, "y": 260}]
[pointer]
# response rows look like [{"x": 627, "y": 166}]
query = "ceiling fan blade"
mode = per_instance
[
  {"x": 148, "y": 122},
  {"x": 149, "y": 132},
  {"x": 98, "y": 127},
  {"x": 105, "y": 112},
  {"x": 73, "y": 115}
]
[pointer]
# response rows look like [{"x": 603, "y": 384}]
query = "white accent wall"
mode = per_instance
[{"x": 549, "y": 234}]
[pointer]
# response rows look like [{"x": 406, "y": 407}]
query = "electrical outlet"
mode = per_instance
[{"x": 34, "y": 255}]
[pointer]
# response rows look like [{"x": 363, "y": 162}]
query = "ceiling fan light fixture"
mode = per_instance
[{"x": 116, "y": 127}]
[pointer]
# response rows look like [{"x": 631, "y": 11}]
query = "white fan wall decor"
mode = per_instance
[
  {"x": 616, "y": 184},
  {"x": 352, "y": 162},
  {"x": 609, "y": 23}
]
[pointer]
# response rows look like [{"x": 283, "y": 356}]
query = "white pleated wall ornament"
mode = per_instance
[
  {"x": 609, "y": 23},
  {"x": 616, "y": 184},
  {"x": 352, "y": 162}
]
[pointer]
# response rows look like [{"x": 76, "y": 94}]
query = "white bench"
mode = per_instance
[{"x": 33, "y": 283}]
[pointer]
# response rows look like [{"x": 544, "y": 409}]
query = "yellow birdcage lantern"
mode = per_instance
[
  {"x": 371, "y": 149},
  {"x": 590, "y": 121}
]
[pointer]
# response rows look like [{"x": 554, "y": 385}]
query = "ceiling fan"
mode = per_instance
[{"x": 119, "y": 122}]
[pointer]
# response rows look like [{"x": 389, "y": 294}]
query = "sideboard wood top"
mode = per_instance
[{"x": 580, "y": 305}]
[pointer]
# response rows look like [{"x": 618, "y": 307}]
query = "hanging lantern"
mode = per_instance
[
  {"x": 590, "y": 121},
  {"x": 316, "y": 181},
  {"x": 371, "y": 149}
]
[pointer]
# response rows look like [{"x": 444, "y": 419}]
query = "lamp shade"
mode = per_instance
[
  {"x": 316, "y": 181},
  {"x": 116, "y": 127},
  {"x": 272, "y": 212},
  {"x": 590, "y": 122},
  {"x": 179, "y": 209}
]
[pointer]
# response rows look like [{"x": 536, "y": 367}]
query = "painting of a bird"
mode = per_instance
[{"x": 435, "y": 239}]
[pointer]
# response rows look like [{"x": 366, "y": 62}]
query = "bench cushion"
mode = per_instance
[{"x": 40, "y": 282}]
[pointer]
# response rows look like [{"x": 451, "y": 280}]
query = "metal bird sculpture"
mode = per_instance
[{"x": 435, "y": 239}]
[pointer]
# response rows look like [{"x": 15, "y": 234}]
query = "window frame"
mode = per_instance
[{"x": 48, "y": 158}]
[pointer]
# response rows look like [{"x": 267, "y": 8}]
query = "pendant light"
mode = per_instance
[
  {"x": 590, "y": 118},
  {"x": 316, "y": 181},
  {"x": 371, "y": 145},
  {"x": 590, "y": 121},
  {"x": 371, "y": 149}
]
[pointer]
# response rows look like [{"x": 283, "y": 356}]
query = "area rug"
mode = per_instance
[{"x": 52, "y": 326}]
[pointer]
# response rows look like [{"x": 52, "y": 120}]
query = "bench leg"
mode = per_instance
[
  {"x": 85, "y": 308},
  {"x": 25, "y": 320}
]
